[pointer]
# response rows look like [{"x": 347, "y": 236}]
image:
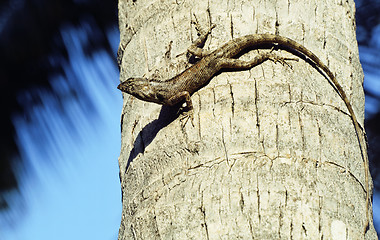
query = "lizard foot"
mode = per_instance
[
  {"x": 199, "y": 29},
  {"x": 282, "y": 60},
  {"x": 186, "y": 115}
]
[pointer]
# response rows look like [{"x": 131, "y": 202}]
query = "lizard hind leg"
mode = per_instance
[{"x": 232, "y": 63}]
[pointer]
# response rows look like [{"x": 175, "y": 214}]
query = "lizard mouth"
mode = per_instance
[{"x": 122, "y": 87}]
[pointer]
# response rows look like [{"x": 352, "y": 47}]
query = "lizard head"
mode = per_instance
[{"x": 142, "y": 88}]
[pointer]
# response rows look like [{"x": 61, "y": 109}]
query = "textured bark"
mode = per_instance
[{"x": 273, "y": 153}]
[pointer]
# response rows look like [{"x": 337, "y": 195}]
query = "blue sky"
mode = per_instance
[{"x": 76, "y": 193}]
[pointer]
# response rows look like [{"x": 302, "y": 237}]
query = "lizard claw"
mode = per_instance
[
  {"x": 196, "y": 23},
  {"x": 186, "y": 116},
  {"x": 199, "y": 29},
  {"x": 282, "y": 60},
  {"x": 211, "y": 27}
]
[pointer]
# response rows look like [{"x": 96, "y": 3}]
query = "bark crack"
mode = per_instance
[
  {"x": 257, "y": 114},
  {"x": 241, "y": 201},
  {"x": 318, "y": 104},
  {"x": 213, "y": 109},
  {"x": 304, "y": 229},
  {"x": 300, "y": 122},
  {"x": 224, "y": 147},
  {"x": 258, "y": 198},
  {"x": 232, "y": 101},
  {"x": 208, "y": 164},
  {"x": 199, "y": 118},
  {"x": 203, "y": 211},
  {"x": 291, "y": 227},
  {"x": 280, "y": 223},
  {"x": 156, "y": 226},
  {"x": 344, "y": 169},
  {"x": 133, "y": 232},
  {"x": 319, "y": 217}
]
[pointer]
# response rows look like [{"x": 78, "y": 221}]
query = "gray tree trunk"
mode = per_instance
[{"x": 273, "y": 152}]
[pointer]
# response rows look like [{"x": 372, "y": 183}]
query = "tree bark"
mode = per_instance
[{"x": 273, "y": 153}]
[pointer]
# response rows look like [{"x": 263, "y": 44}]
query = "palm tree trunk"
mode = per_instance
[{"x": 273, "y": 153}]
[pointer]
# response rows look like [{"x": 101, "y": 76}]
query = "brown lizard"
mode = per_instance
[{"x": 179, "y": 88}]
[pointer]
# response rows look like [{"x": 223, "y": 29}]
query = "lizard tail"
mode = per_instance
[{"x": 249, "y": 41}]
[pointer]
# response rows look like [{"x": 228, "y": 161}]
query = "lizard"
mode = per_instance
[{"x": 180, "y": 88}]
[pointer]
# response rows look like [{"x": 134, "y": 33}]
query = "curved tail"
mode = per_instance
[{"x": 237, "y": 45}]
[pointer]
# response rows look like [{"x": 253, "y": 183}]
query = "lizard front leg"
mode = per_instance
[
  {"x": 180, "y": 97},
  {"x": 194, "y": 48}
]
